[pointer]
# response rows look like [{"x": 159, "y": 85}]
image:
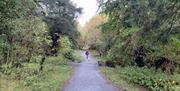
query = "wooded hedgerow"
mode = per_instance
[
  {"x": 31, "y": 28},
  {"x": 139, "y": 32}
]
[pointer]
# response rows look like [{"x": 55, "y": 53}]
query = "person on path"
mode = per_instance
[{"x": 87, "y": 54}]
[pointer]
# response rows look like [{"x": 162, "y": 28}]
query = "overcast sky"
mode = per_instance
[{"x": 89, "y": 9}]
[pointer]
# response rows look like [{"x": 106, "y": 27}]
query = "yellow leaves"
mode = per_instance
[
  {"x": 173, "y": 82},
  {"x": 29, "y": 35},
  {"x": 91, "y": 32},
  {"x": 65, "y": 45},
  {"x": 175, "y": 42}
]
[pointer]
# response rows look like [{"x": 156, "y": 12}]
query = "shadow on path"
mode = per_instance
[{"x": 87, "y": 77}]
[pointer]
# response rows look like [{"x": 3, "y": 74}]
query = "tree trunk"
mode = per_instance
[{"x": 42, "y": 62}]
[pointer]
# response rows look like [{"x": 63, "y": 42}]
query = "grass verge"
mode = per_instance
[
  {"x": 153, "y": 81},
  {"x": 114, "y": 76},
  {"x": 28, "y": 78},
  {"x": 77, "y": 55}
]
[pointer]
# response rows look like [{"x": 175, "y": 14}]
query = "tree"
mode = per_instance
[
  {"x": 91, "y": 32},
  {"x": 32, "y": 28},
  {"x": 61, "y": 17},
  {"x": 15, "y": 45},
  {"x": 148, "y": 26}
]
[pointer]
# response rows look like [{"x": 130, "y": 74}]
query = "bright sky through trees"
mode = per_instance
[{"x": 89, "y": 9}]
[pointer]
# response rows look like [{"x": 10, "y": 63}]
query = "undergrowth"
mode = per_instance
[
  {"x": 148, "y": 78},
  {"x": 29, "y": 78}
]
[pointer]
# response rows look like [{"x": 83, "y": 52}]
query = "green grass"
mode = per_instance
[
  {"x": 103, "y": 58},
  {"x": 29, "y": 78},
  {"x": 94, "y": 52},
  {"x": 154, "y": 81},
  {"x": 113, "y": 75},
  {"x": 148, "y": 78},
  {"x": 77, "y": 56}
]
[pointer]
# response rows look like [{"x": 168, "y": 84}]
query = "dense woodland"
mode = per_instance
[
  {"x": 31, "y": 28},
  {"x": 137, "y": 34},
  {"x": 127, "y": 33},
  {"x": 142, "y": 33},
  {"x": 35, "y": 35}
]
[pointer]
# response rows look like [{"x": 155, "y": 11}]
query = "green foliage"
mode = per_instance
[
  {"x": 155, "y": 81},
  {"x": 120, "y": 46},
  {"x": 65, "y": 45},
  {"x": 8, "y": 9},
  {"x": 25, "y": 33},
  {"x": 151, "y": 24},
  {"x": 77, "y": 56},
  {"x": 30, "y": 32},
  {"x": 91, "y": 32},
  {"x": 14, "y": 29},
  {"x": 51, "y": 80},
  {"x": 61, "y": 17},
  {"x": 66, "y": 48},
  {"x": 114, "y": 76},
  {"x": 148, "y": 78},
  {"x": 3, "y": 45},
  {"x": 29, "y": 78}
]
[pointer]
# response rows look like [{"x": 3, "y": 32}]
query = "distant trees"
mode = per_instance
[{"x": 91, "y": 32}]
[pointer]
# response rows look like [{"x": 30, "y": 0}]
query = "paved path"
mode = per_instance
[{"x": 87, "y": 77}]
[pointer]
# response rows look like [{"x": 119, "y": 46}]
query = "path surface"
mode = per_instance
[{"x": 87, "y": 77}]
